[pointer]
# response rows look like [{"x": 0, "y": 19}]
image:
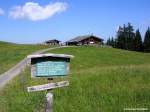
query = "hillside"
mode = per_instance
[
  {"x": 11, "y": 53},
  {"x": 101, "y": 80},
  {"x": 90, "y": 57}
]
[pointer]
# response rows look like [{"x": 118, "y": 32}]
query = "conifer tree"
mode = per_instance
[
  {"x": 120, "y": 38},
  {"x": 112, "y": 42},
  {"x": 108, "y": 42},
  {"x": 138, "y": 41},
  {"x": 147, "y": 41},
  {"x": 129, "y": 37},
  {"x": 125, "y": 37}
]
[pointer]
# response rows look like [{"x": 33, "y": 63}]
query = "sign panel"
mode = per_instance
[
  {"x": 48, "y": 86},
  {"x": 51, "y": 68},
  {"x": 49, "y": 65}
]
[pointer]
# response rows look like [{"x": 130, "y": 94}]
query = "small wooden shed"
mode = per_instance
[{"x": 52, "y": 42}]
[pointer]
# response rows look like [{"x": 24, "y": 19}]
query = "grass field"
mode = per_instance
[
  {"x": 11, "y": 53},
  {"x": 101, "y": 80}
]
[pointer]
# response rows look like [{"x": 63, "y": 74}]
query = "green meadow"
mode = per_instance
[
  {"x": 11, "y": 54},
  {"x": 101, "y": 80}
]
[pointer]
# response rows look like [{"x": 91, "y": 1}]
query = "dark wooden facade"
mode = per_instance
[
  {"x": 90, "y": 40},
  {"x": 52, "y": 42},
  {"x": 85, "y": 40}
]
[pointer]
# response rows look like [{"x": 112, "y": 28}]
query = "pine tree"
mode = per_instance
[
  {"x": 120, "y": 42},
  {"x": 147, "y": 41},
  {"x": 129, "y": 35},
  {"x": 112, "y": 42},
  {"x": 120, "y": 38},
  {"x": 115, "y": 43},
  {"x": 138, "y": 41},
  {"x": 124, "y": 37},
  {"x": 108, "y": 42}
]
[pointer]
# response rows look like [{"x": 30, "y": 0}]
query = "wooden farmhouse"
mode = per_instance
[
  {"x": 85, "y": 40},
  {"x": 52, "y": 42}
]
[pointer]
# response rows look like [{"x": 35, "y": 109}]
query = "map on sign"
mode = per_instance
[{"x": 51, "y": 68}]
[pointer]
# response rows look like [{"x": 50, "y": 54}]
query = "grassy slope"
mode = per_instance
[
  {"x": 101, "y": 80},
  {"x": 11, "y": 53}
]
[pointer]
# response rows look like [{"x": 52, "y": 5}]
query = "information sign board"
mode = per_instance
[{"x": 49, "y": 65}]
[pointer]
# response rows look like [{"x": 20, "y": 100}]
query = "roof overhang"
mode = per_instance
[{"x": 50, "y": 55}]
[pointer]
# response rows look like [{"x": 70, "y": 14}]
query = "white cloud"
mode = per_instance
[
  {"x": 1, "y": 11},
  {"x": 33, "y": 11}
]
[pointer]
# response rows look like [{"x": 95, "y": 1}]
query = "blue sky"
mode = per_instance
[{"x": 65, "y": 19}]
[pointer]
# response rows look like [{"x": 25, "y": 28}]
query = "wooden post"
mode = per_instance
[
  {"x": 49, "y": 102},
  {"x": 49, "y": 99}
]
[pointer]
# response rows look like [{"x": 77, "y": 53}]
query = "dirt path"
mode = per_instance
[{"x": 17, "y": 69}]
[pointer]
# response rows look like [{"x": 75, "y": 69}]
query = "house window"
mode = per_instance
[{"x": 91, "y": 42}]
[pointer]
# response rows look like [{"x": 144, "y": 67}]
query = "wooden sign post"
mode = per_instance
[{"x": 49, "y": 66}]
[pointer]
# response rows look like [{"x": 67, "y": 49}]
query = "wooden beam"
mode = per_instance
[{"x": 48, "y": 86}]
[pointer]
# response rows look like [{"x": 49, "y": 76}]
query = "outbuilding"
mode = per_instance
[{"x": 52, "y": 42}]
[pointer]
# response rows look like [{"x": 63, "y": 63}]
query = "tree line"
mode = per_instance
[{"x": 129, "y": 39}]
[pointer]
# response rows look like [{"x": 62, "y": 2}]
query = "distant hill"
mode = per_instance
[{"x": 3, "y": 43}]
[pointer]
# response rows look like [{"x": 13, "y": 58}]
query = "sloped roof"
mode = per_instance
[
  {"x": 80, "y": 38},
  {"x": 50, "y": 55},
  {"x": 53, "y": 40}
]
